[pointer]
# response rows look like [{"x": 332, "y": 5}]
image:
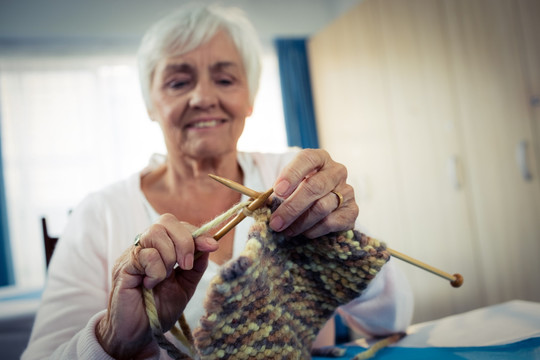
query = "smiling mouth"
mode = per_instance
[{"x": 205, "y": 124}]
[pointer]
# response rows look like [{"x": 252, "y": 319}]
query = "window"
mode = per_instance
[{"x": 73, "y": 125}]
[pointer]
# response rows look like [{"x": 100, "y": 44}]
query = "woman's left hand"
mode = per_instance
[{"x": 310, "y": 207}]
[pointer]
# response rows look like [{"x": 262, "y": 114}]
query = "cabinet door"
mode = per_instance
[
  {"x": 529, "y": 12},
  {"x": 426, "y": 101},
  {"x": 429, "y": 156},
  {"x": 386, "y": 105},
  {"x": 485, "y": 39}
]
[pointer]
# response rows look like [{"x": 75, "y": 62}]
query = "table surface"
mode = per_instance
[
  {"x": 528, "y": 349},
  {"x": 509, "y": 330}
]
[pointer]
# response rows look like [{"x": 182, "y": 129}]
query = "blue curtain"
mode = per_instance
[
  {"x": 296, "y": 90},
  {"x": 7, "y": 276}
]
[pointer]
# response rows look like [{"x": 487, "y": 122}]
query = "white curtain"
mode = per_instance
[{"x": 72, "y": 125}]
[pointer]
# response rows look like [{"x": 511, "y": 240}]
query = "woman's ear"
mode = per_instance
[{"x": 249, "y": 111}]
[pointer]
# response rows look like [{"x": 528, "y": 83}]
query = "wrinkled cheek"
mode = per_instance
[
  {"x": 167, "y": 111},
  {"x": 172, "y": 136},
  {"x": 170, "y": 121}
]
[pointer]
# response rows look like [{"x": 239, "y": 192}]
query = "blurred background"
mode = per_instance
[
  {"x": 73, "y": 119},
  {"x": 434, "y": 106}
]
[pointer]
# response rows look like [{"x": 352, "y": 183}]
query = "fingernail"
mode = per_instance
[
  {"x": 282, "y": 188},
  {"x": 211, "y": 242},
  {"x": 276, "y": 223},
  {"x": 188, "y": 262}
]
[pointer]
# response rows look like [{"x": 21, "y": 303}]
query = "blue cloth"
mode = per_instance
[
  {"x": 7, "y": 275},
  {"x": 296, "y": 93},
  {"x": 528, "y": 349}
]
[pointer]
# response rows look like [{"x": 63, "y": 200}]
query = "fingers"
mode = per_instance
[
  {"x": 306, "y": 163},
  {"x": 166, "y": 243},
  {"x": 191, "y": 278},
  {"x": 305, "y": 180},
  {"x": 324, "y": 216},
  {"x": 309, "y": 206}
]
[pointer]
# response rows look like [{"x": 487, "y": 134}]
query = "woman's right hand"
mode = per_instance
[{"x": 125, "y": 331}]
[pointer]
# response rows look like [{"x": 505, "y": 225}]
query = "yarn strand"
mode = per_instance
[
  {"x": 157, "y": 331},
  {"x": 373, "y": 349},
  {"x": 220, "y": 218}
]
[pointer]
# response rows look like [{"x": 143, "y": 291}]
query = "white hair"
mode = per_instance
[{"x": 190, "y": 27}]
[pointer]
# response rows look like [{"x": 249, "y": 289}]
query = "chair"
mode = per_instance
[{"x": 49, "y": 241}]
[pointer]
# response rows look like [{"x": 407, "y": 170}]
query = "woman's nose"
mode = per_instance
[{"x": 203, "y": 95}]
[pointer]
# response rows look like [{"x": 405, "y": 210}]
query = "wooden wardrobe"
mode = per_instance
[{"x": 434, "y": 106}]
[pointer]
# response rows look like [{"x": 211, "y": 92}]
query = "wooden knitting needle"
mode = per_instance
[
  {"x": 236, "y": 186},
  {"x": 456, "y": 280},
  {"x": 255, "y": 204},
  {"x": 260, "y": 199}
]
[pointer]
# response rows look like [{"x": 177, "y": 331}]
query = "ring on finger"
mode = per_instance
[
  {"x": 340, "y": 198},
  {"x": 137, "y": 241}
]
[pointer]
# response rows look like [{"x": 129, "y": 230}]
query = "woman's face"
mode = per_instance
[{"x": 201, "y": 99}]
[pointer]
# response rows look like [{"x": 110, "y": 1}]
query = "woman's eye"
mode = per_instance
[
  {"x": 177, "y": 84},
  {"x": 225, "y": 81}
]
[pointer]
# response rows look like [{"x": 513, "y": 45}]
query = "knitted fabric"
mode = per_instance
[{"x": 271, "y": 301}]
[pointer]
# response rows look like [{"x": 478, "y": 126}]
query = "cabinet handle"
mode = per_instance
[
  {"x": 453, "y": 172},
  {"x": 523, "y": 160}
]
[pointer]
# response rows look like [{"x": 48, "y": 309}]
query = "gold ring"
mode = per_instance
[
  {"x": 137, "y": 241},
  {"x": 340, "y": 198}
]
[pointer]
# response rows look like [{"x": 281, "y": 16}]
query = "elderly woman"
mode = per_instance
[{"x": 199, "y": 72}]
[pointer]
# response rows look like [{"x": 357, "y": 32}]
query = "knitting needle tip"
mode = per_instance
[
  {"x": 456, "y": 280},
  {"x": 236, "y": 186},
  {"x": 254, "y": 205}
]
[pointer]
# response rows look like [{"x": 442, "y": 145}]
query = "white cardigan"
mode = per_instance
[{"x": 105, "y": 224}]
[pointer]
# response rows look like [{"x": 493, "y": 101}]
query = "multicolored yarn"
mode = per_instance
[{"x": 272, "y": 300}]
